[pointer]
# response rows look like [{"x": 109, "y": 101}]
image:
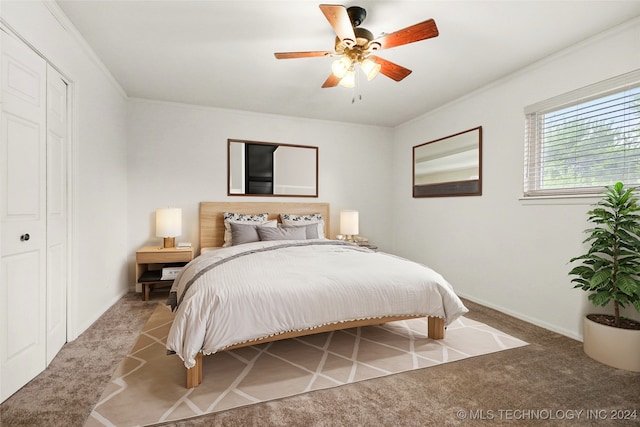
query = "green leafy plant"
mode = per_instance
[{"x": 610, "y": 271}]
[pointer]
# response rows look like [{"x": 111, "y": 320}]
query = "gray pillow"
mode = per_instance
[
  {"x": 291, "y": 233},
  {"x": 311, "y": 230},
  {"x": 243, "y": 233}
]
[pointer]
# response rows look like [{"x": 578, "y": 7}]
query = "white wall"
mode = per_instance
[
  {"x": 177, "y": 156},
  {"x": 98, "y": 276},
  {"x": 496, "y": 249}
]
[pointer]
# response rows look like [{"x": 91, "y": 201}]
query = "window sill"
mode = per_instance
[{"x": 573, "y": 199}]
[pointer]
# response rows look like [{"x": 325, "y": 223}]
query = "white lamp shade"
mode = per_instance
[
  {"x": 349, "y": 222},
  {"x": 339, "y": 67},
  {"x": 168, "y": 222},
  {"x": 349, "y": 79},
  {"x": 370, "y": 68}
]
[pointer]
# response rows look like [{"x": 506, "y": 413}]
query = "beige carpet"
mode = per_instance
[{"x": 149, "y": 386}]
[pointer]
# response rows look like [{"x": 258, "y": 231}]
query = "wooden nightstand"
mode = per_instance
[{"x": 149, "y": 263}]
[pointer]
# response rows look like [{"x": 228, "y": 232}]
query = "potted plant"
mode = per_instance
[{"x": 610, "y": 272}]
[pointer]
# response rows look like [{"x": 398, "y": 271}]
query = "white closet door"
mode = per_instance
[
  {"x": 56, "y": 213},
  {"x": 22, "y": 216}
]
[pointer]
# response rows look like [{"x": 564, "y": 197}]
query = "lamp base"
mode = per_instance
[{"x": 169, "y": 242}]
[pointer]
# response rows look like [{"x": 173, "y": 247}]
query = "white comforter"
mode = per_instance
[{"x": 247, "y": 292}]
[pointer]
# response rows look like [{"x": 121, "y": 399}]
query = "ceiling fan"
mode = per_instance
[{"x": 355, "y": 46}]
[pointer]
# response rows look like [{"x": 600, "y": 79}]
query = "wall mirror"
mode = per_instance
[
  {"x": 271, "y": 169},
  {"x": 449, "y": 166}
]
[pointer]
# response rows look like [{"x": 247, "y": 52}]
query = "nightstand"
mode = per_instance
[{"x": 149, "y": 263}]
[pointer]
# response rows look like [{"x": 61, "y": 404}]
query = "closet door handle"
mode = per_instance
[{"x": 25, "y": 237}]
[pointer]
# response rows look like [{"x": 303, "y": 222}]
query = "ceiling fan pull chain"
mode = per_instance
[
  {"x": 358, "y": 87},
  {"x": 355, "y": 84}
]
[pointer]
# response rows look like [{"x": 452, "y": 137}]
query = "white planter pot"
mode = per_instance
[{"x": 615, "y": 347}]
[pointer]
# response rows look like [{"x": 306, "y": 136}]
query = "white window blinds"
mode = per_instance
[{"x": 581, "y": 141}]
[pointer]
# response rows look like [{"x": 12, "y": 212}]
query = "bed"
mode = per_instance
[{"x": 283, "y": 278}]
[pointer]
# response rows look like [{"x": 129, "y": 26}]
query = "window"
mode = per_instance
[{"x": 579, "y": 142}]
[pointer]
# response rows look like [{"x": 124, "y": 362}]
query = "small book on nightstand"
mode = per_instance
[
  {"x": 170, "y": 273},
  {"x": 182, "y": 245}
]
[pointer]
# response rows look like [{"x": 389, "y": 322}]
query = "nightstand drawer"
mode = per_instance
[{"x": 159, "y": 257}]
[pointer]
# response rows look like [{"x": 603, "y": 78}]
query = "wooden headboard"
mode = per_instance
[{"x": 212, "y": 223}]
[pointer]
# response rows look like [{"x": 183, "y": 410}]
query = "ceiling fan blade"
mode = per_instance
[
  {"x": 331, "y": 81},
  {"x": 390, "y": 69},
  {"x": 339, "y": 19},
  {"x": 422, "y": 31},
  {"x": 292, "y": 55}
]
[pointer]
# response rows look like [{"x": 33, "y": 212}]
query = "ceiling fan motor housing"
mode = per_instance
[{"x": 364, "y": 43}]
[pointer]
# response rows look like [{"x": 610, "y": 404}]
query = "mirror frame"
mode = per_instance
[
  {"x": 311, "y": 147},
  {"x": 470, "y": 187}
]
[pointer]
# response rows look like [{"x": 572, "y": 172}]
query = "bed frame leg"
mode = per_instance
[
  {"x": 194, "y": 375},
  {"x": 435, "y": 328}
]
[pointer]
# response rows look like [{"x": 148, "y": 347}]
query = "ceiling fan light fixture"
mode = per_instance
[
  {"x": 341, "y": 66},
  {"x": 370, "y": 68},
  {"x": 349, "y": 79}
]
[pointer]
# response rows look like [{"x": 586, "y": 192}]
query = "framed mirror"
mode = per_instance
[
  {"x": 257, "y": 168},
  {"x": 449, "y": 166}
]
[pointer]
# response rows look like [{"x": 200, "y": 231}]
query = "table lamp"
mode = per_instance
[
  {"x": 349, "y": 224},
  {"x": 168, "y": 225}
]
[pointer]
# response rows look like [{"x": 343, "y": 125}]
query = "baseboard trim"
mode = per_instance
[
  {"x": 86, "y": 325},
  {"x": 520, "y": 316}
]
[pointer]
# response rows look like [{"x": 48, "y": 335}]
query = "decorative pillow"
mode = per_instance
[
  {"x": 275, "y": 233},
  {"x": 311, "y": 230},
  {"x": 243, "y": 233},
  {"x": 297, "y": 220},
  {"x": 230, "y": 217},
  {"x": 245, "y": 217}
]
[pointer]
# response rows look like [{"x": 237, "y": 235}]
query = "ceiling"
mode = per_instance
[{"x": 220, "y": 53}]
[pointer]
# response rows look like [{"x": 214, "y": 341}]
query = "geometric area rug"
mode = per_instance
[{"x": 149, "y": 386}]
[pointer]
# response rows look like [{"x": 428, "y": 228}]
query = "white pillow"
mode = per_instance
[
  {"x": 239, "y": 218},
  {"x": 296, "y": 220}
]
